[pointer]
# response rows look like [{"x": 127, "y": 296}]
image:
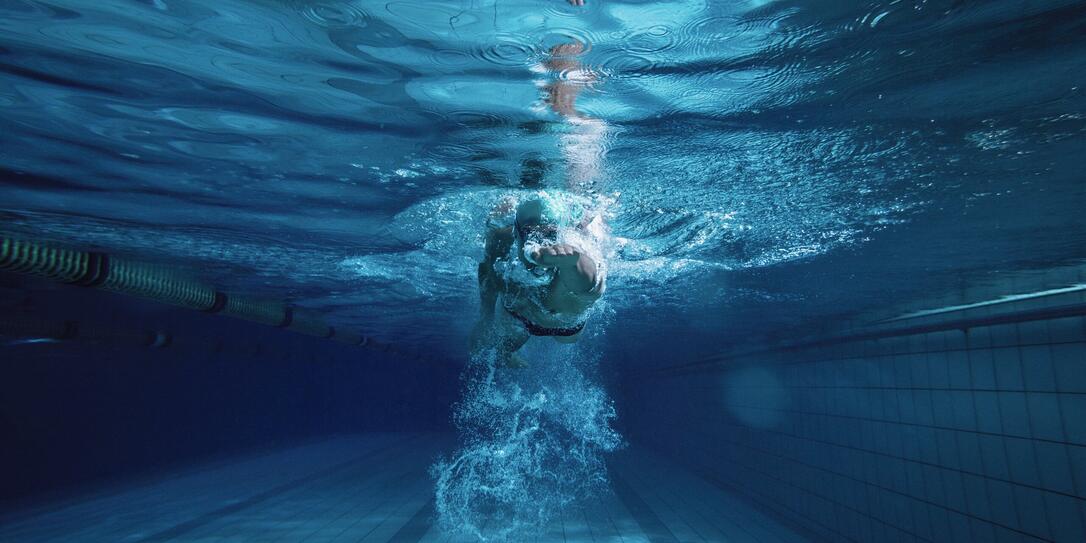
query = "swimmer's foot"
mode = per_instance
[{"x": 515, "y": 361}]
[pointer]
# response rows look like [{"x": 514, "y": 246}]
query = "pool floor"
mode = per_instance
[{"x": 375, "y": 487}]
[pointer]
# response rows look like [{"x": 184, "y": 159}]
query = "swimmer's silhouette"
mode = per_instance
[
  {"x": 543, "y": 286},
  {"x": 539, "y": 269}
]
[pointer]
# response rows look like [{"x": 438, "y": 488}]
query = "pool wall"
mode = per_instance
[
  {"x": 966, "y": 424},
  {"x": 85, "y": 411}
]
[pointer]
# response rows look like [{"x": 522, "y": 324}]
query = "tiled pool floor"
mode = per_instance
[{"x": 375, "y": 488}]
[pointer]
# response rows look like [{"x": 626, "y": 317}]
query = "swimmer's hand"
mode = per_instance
[
  {"x": 577, "y": 270},
  {"x": 556, "y": 256},
  {"x": 576, "y": 2}
]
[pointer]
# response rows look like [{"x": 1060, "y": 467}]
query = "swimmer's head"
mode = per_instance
[{"x": 539, "y": 219}]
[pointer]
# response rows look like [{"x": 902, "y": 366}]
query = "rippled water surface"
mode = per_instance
[{"x": 761, "y": 163}]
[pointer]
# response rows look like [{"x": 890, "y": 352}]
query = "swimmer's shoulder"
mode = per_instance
[
  {"x": 503, "y": 235},
  {"x": 585, "y": 280},
  {"x": 498, "y": 241}
]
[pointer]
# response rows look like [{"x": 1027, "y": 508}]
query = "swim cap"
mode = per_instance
[
  {"x": 549, "y": 208},
  {"x": 553, "y": 210}
]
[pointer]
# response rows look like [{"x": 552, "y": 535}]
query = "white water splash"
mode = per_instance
[{"x": 532, "y": 442}]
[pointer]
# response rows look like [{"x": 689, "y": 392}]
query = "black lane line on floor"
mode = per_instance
[
  {"x": 211, "y": 516},
  {"x": 417, "y": 527},
  {"x": 646, "y": 518}
]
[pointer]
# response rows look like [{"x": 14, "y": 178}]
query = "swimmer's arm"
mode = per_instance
[
  {"x": 497, "y": 243},
  {"x": 578, "y": 269},
  {"x": 488, "y": 291},
  {"x": 488, "y": 296}
]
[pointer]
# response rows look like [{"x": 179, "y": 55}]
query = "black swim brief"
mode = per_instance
[{"x": 537, "y": 330}]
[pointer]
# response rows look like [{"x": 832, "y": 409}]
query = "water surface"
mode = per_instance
[{"x": 766, "y": 163}]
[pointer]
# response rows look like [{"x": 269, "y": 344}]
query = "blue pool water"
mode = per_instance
[{"x": 767, "y": 170}]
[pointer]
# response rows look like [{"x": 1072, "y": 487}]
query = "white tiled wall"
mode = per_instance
[{"x": 960, "y": 435}]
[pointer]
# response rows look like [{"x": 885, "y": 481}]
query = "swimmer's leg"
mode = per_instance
[
  {"x": 511, "y": 337},
  {"x": 516, "y": 361}
]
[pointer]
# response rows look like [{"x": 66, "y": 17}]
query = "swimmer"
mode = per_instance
[{"x": 533, "y": 284}]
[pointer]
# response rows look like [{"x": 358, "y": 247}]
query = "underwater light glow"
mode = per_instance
[{"x": 755, "y": 396}]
